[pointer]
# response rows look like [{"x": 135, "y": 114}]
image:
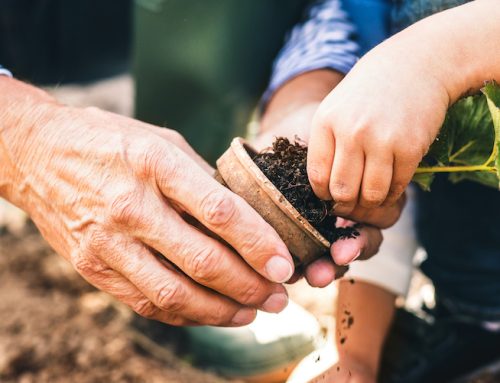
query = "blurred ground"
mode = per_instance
[{"x": 54, "y": 327}]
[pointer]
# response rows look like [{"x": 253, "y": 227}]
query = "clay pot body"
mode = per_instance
[{"x": 239, "y": 173}]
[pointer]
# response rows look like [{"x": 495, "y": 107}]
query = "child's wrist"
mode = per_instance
[
  {"x": 309, "y": 87},
  {"x": 300, "y": 97}
]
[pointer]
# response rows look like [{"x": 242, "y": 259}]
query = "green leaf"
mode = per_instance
[
  {"x": 424, "y": 180},
  {"x": 468, "y": 143},
  {"x": 492, "y": 93}
]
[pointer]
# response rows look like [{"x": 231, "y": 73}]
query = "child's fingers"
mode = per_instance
[
  {"x": 320, "y": 159},
  {"x": 362, "y": 247},
  {"x": 403, "y": 170},
  {"x": 345, "y": 179},
  {"x": 323, "y": 271},
  {"x": 377, "y": 178},
  {"x": 381, "y": 217}
]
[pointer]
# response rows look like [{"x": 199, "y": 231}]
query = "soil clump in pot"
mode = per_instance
[{"x": 285, "y": 165}]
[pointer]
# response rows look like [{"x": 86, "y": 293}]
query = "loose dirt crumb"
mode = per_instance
[{"x": 56, "y": 328}]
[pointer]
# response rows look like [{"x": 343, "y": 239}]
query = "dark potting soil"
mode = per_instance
[{"x": 285, "y": 165}]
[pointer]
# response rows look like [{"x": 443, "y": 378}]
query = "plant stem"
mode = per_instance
[
  {"x": 455, "y": 169},
  {"x": 461, "y": 150},
  {"x": 493, "y": 154}
]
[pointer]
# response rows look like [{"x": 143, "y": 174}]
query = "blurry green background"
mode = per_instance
[{"x": 201, "y": 66}]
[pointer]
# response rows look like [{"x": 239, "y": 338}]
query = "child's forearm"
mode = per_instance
[
  {"x": 364, "y": 314},
  {"x": 301, "y": 91},
  {"x": 460, "y": 47},
  {"x": 290, "y": 111}
]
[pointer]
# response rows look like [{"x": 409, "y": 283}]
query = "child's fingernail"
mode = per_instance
[
  {"x": 344, "y": 252},
  {"x": 357, "y": 255},
  {"x": 341, "y": 208}
]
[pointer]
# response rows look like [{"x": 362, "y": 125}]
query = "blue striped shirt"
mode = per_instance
[
  {"x": 4, "y": 72},
  {"x": 334, "y": 35},
  {"x": 324, "y": 40}
]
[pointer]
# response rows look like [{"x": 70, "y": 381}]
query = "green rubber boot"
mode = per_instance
[{"x": 265, "y": 351}]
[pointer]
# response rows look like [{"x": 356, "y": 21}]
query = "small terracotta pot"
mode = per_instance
[{"x": 238, "y": 172}]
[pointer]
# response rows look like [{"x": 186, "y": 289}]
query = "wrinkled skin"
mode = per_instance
[{"x": 114, "y": 196}]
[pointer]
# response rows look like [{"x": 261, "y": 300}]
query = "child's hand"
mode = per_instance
[
  {"x": 370, "y": 133},
  {"x": 289, "y": 114}
]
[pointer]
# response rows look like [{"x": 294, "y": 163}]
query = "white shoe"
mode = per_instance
[{"x": 313, "y": 367}]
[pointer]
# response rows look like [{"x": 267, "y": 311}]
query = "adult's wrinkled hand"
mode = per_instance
[{"x": 114, "y": 196}]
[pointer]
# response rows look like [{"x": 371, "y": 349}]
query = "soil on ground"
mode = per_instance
[
  {"x": 285, "y": 165},
  {"x": 55, "y": 327}
]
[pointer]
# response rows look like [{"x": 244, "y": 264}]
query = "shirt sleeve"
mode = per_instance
[
  {"x": 392, "y": 268},
  {"x": 5, "y": 72},
  {"x": 325, "y": 40}
]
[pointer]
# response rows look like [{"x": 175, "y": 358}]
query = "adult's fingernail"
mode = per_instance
[
  {"x": 275, "y": 303},
  {"x": 344, "y": 252},
  {"x": 279, "y": 269},
  {"x": 244, "y": 316}
]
